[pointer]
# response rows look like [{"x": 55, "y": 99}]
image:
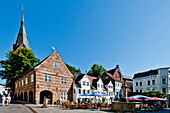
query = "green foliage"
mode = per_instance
[
  {"x": 71, "y": 68},
  {"x": 17, "y": 63},
  {"x": 154, "y": 94},
  {"x": 96, "y": 70}
]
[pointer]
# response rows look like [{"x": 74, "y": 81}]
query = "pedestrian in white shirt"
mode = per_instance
[
  {"x": 3, "y": 100},
  {"x": 8, "y": 98}
]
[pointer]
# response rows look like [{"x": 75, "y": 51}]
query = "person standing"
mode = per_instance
[
  {"x": 8, "y": 98},
  {"x": 3, "y": 100}
]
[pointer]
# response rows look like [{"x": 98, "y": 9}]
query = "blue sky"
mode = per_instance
[{"x": 132, "y": 33}]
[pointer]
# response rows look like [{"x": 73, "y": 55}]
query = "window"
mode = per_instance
[
  {"x": 140, "y": 83},
  {"x": 163, "y": 80},
  {"x": 136, "y": 90},
  {"x": 47, "y": 78},
  {"x": 63, "y": 95},
  {"x": 87, "y": 83},
  {"x": 101, "y": 85},
  {"x": 149, "y": 82},
  {"x": 22, "y": 82},
  {"x": 26, "y": 80},
  {"x": 79, "y": 91},
  {"x": 153, "y": 82},
  {"x": 140, "y": 91},
  {"x": 32, "y": 77},
  {"x": 63, "y": 80},
  {"x": 16, "y": 85},
  {"x": 19, "y": 83},
  {"x": 136, "y": 83},
  {"x": 88, "y": 91},
  {"x": 84, "y": 83},
  {"x": 74, "y": 91},
  {"x": 164, "y": 90},
  {"x": 84, "y": 91},
  {"x": 118, "y": 76},
  {"x": 98, "y": 85},
  {"x": 107, "y": 77},
  {"x": 56, "y": 65}
]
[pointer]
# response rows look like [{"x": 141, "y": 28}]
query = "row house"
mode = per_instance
[
  {"x": 87, "y": 84},
  {"x": 116, "y": 78},
  {"x": 110, "y": 84}
]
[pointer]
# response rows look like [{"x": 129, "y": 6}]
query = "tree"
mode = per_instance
[
  {"x": 71, "y": 68},
  {"x": 96, "y": 70},
  {"x": 154, "y": 94},
  {"x": 17, "y": 63}
]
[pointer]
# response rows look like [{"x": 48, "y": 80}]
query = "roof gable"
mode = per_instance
[
  {"x": 113, "y": 74},
  {"x": 48, "y": 65}
]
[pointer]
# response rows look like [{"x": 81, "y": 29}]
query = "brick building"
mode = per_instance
[{"x": 50, "y": 78}]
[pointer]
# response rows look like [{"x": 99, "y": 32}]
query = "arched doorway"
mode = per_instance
[
  {"x": 21, "y": 98},
  {"x": 25, "y": 96},
  {"x": 46, "y": 94},
  {"x": 31, "y": 96}
]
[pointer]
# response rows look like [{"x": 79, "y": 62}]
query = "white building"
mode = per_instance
[
  {"x": 152, "y": 80},
  {"x": 3, "y": 89},
  {"x": 85, "y": 84}
]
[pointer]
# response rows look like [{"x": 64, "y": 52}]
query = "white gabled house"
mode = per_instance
[{"x": 81, "y": 85}]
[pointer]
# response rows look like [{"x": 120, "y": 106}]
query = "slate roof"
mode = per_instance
[{"x": 22, "y": 36}]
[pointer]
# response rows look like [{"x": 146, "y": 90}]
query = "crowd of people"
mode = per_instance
[{"x": 5, "y": 99}]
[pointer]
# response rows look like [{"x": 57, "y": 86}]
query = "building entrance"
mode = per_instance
[{"x": 46, "y": 94}]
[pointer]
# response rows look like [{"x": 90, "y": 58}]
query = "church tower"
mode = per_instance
[{"x": 22, "y": 40}]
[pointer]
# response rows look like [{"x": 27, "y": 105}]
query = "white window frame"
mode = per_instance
[
  {"x": 153, "y": 82},
  {"x": 63, "y": 96},
  {"x": 26, "y": 80},
  {"x": 63, "y": 80},
  {"x": 16, "y": 84},
  {"x": 84, "y": 83},
  {"x": 32, "y": 77},
  {"x": 47, "y": 78},
  {"x": 87, "y": 83},
  {"x": 163, "y": 82},
  {"x": 98, "y": 85},
  {"x": 22, "y": 82},
  {"x": 57, "y": 65}
]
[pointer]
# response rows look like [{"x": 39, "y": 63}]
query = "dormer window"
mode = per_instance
[{"x": 56, "y": 65}]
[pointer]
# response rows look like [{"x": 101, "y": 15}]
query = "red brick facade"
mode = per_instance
[
  {"x": 41, "y": 86},
  {"x": 112, "y": 74}
]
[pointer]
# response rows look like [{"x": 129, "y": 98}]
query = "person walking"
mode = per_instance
[
  {"x": 3, "y": 100},
  {"x": 8, "y": 98}
]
